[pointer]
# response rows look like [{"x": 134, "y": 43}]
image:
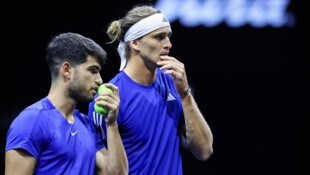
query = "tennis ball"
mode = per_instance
[{"x": 100, "y": 109}]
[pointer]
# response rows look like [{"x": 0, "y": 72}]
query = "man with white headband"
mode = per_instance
[
  {"x": 157, "y": 107},
  {"x": 140, "y": 29}
]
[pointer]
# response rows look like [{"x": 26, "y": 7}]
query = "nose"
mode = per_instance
[
  {"x": 98, "y": 79},
  {"x": 167, "y": 43}
]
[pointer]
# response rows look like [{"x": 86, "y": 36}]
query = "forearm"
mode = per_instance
[
  {"x": 198, "y": 132},
  {"x": 117, "y": 159}
]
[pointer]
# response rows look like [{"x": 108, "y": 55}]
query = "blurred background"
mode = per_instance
[{"x": 245, "y": 61}]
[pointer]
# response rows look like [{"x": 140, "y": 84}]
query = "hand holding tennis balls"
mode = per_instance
[{"x": 100, "y": 109}]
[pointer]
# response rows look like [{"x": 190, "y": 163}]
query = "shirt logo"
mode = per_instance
[
  {"x": 170, "y": 97},
  {"x": 164, "y": 19},
  {"x": 74, "y": 133},
  {"x": 98, "y": 120}
]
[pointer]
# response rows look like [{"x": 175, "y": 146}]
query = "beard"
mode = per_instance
[{"x": 79, "y": 93}]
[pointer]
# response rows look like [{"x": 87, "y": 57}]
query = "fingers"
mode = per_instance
[
  {"x": 173, "y": 66},
  {"x": 176, "y": 69},
  {"x": 108, "y": 102},
  {"x": 114, "y": 88},
  {"x": 167, "y": 60},
  {"x": 108, "y": 99}
]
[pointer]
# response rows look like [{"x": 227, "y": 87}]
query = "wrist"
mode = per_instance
[
  {"x": 112, "y": 124},
  {"x": 187, "y": 91}
]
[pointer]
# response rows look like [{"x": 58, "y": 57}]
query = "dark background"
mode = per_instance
[{"x": 250, "y": 83}]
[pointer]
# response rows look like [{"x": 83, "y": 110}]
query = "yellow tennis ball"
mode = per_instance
[{"x": 100, "y": 109}]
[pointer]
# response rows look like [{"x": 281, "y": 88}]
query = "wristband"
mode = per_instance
[{"x": 188, "y": 90}]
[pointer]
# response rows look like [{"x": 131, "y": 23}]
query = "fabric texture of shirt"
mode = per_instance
[
  {"x": 149, "y": 122},
  {"x": 58, "y": 146}
]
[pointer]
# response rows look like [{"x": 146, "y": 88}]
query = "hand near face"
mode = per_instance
[
  {"x": 177, "y": 70},
  {"x": 111, "y": 101}
]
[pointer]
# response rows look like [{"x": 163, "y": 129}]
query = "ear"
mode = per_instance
[
  {"x": 135, "y": 45},
  {"x": 66, "y": 70}
]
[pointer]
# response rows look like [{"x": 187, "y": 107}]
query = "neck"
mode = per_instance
[
  {"x": 62, "y": 102},
  {"x": 139, "y": 72}
]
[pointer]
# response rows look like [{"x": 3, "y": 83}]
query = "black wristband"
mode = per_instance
[{"x": 189, "y": 90}]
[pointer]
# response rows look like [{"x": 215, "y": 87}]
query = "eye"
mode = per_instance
[
  {"x": 94, "y": 70},
  {"x": 163, "y": 36},
  {"x": 169, "y": 34},
  {"x": 160, "y": 37}
]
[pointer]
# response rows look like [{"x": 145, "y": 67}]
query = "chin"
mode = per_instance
[
  {"x": 91, "y": 97},
  {"x": 85, "y": 99}
]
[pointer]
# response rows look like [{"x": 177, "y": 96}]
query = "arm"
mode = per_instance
[
  {"x": 19, "y": 162},
  {"x": 114, "y": 160},
  {"x": 198, "y": 133}
]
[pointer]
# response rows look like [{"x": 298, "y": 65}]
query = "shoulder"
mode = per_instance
[
  {"x": 84, "y": 118},
  {"x": 160, "y": 74},
  {"x": 163, "y": 78},
  {"x": 117, "y": 78},
  {"x": 31, "y": 116},
  {"x": 87, "y": 120},
  {"x": 29, "y": 128},
  {"x": 31, "y": 113}
]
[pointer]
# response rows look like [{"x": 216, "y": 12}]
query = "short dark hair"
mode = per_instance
[{"x": 73, "y": 48}]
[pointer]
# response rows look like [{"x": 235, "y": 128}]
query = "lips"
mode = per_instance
[
  {"x": 95, "y": 89},
  {"x": 164, "y": 54}
]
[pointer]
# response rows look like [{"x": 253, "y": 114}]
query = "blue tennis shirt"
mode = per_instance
[
  {"x": 149, "y": 120},
  {"x": 58, "y": 146}
]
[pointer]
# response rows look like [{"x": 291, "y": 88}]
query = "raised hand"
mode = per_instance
[
  {"x": 176, "y": 69},
  {"x": 111, "y": 101}
]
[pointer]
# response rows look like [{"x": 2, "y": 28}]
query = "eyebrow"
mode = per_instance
[
  {"x": 94, "y": 67},
  {"x": 162, "y": 32}
]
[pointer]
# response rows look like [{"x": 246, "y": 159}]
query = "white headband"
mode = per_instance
[{"x": 140, "y": 29}]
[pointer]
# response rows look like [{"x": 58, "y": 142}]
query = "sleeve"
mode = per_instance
[
  {"x": 27, "y": 133},
  {"x": 98, "y": 121}
]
